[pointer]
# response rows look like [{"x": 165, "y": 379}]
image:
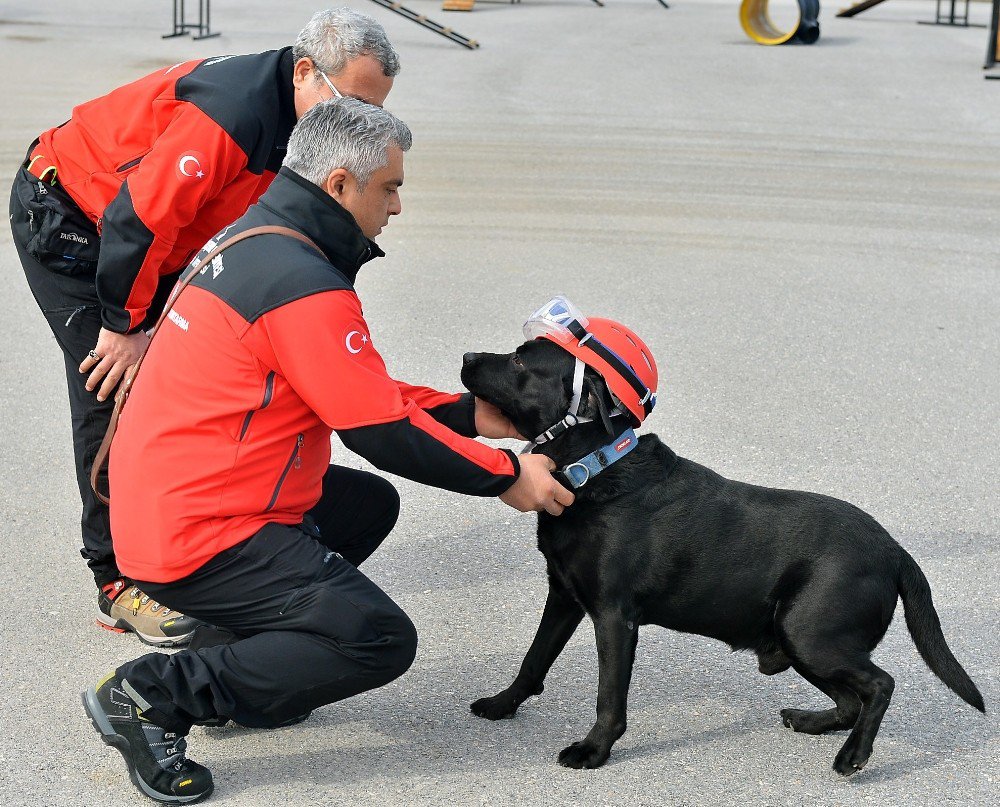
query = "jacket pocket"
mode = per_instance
[
  {"x": 320, "y": 609},
  {"x": 125, "y": 167},
  {"x": 268, "y": 393},
  {"x": 294, "y": 461}
]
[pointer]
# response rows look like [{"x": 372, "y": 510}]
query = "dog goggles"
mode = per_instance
[{"x": 553, "y": 320}]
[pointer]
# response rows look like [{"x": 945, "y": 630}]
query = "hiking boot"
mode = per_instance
[
  {"x": 154, "y": 756},
  {"x": 124, "y": 608}
]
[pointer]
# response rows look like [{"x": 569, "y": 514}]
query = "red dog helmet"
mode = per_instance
[{"x": 610, "y": 348}]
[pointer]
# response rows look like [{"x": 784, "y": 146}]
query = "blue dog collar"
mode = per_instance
[{"x": 579, "y": 473}]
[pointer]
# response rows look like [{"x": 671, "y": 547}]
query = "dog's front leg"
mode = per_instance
[
  {"x": 560, "y": 619},
  {"x": 616, "y": 640}
]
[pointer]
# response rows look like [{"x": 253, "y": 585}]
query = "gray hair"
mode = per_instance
[
  {"x": 335, "y": 36},
  {"x": 344, "y": 133}
]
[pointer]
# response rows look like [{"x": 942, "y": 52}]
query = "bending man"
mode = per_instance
[{"x": 111, "y": 205}]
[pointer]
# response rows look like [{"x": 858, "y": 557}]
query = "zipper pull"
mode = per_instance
[
  {"x": 298, "y": 451},
  {"x": 76, "y": 311}
]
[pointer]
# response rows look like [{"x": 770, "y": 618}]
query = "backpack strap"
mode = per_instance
[{"x": 126, "y": 384}]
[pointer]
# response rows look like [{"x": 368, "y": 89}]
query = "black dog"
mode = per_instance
[{"x": 804, "y": 580}]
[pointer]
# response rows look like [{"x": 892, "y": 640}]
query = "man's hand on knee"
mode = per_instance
[
  {"x": 536, "y": 489},
  {"x": 111, "y": 357}
]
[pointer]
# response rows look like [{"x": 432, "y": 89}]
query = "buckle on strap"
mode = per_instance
[
  {"x": 577, "y": 473},
  {"x": 572, "y": 417}
]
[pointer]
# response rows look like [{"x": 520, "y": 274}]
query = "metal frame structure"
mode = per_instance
[
  {"x": 952, "y": 17},
  {"x": 429, "y": 24},
  {"x": 857, "y": 8},
  {"x": 467, "y": 5},
  {"x": 203, "y": 26},
  {"x": 993, "y": 45}
]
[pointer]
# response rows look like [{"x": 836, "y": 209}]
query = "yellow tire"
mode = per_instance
[{"x": 760, "y": 28}]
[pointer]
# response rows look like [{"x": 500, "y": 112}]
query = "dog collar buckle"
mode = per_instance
[{"x": 577, "y": 474}]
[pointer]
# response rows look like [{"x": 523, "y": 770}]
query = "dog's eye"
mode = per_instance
[{"x": 517, "y": 360}]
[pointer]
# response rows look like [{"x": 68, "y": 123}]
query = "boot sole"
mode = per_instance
[
  {"x": 121, "y": 626},
  {"x": 109, "y": 736},
  {"x": 221, "y": 723}
]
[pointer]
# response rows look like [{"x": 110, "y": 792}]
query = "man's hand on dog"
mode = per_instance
[
  {"x": 493, "y": 424},
  {"x": 536, "y": 489}
]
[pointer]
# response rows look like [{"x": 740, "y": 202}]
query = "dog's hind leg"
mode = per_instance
[
  {"x": 833, "y": 654},
  {"x": 874, "y": 686},
  {"x": 616, "y": 640},
  {"x": 806, "y": 652},
  {"x": 862, "y": 692},
  {"x": 560, "y": 619},
  {"x": 844, "y": 716}
]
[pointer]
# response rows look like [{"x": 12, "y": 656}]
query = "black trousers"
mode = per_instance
[
  {"x": 73, "y": 312},
  {"x": 312, "y": 628}
]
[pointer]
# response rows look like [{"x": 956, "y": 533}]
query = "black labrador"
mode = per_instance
[{"x": 804, "y": 580}]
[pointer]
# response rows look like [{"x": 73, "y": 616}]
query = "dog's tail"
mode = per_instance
[{"x": 925, "y": 628}]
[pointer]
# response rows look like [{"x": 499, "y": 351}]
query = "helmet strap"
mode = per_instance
[
  {"x": 578, "y": 370},
  {"x": 572, "y": 417}
]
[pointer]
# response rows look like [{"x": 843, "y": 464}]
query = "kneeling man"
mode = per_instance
[{"x": 224, "y": 503}]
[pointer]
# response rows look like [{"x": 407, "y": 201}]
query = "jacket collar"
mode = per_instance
[
  {"x": 313, "y": 212},
  {"x": 286, "y": 99}
]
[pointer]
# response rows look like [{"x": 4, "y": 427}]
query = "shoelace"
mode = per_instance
[
  {"x": 172, "y": 745},
  {"x": 139, "y": 600},
  {"x": 176, "y": 750}
]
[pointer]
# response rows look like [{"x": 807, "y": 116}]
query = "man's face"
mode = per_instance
[
  {"x": 372, "y": 207},
  {"x": 361, "y": 78}
]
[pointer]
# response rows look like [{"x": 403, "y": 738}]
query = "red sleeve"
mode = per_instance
[
  {"x": 192, "y": 160},
  {"x": 455, "y": 410},
  {"x": 324, "y": 350},
  {"x": 425, "y": 397}
]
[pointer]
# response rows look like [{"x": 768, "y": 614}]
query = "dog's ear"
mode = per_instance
[{"x": 595, "y": 404}]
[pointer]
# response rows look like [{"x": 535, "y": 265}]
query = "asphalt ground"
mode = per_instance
[{"x": 809, "y": 240}]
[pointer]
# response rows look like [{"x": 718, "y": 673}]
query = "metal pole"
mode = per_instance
[{"x": 179, "y": 29}]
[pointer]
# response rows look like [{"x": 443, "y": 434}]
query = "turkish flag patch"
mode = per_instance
[
  {"x": 355, "y": 341},
  {"x": 192, "y": 165}
]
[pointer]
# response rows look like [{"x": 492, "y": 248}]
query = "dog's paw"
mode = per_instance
[
  {"x": 583, "y": 755},
  {"x": 788, "y": 718},
  {"x": 851, "y": 758},
  {"x": 499, "y": 707},
  {"x": 805, "y": 721}
]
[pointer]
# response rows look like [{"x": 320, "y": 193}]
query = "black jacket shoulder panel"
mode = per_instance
[
  {"x": 251, "y": 98},
  {"x": 267, "y": 271}
]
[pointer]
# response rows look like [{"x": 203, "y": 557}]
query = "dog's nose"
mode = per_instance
[{"x": 468, "y": 358}]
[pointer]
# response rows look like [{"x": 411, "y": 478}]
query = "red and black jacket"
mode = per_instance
[
  {"x": 264, "y": 355},
  {"x": 164, "y": 162}
]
